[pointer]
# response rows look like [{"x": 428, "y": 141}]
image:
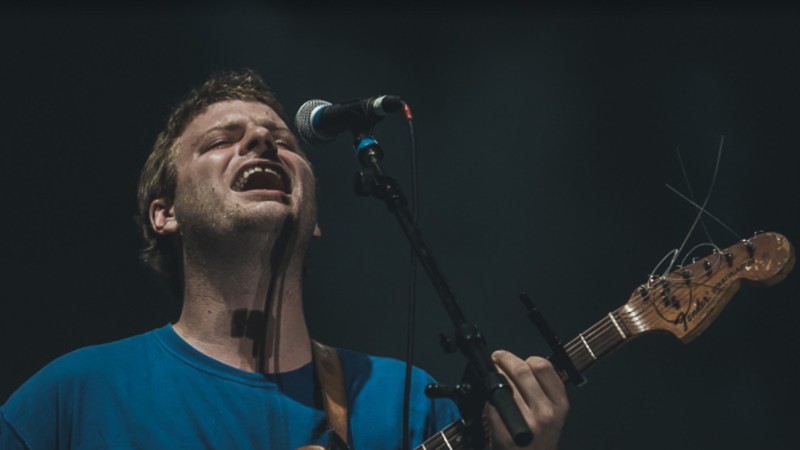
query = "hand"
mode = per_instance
[{"x": 541, "y": 397}]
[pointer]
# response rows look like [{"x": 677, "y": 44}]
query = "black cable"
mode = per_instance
[{"x": 412, "y": 292}]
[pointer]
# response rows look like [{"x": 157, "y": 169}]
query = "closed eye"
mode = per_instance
[
  {"x": 284, "y": 144},
  {"x": 219, "y": 144}
]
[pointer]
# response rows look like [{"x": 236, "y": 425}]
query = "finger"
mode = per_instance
[
  {"x": 538, "y": 384},
  {"x": 519, "y": 373},
  {"x": 549, "y": 380}
]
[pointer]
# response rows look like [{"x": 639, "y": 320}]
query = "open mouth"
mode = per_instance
[{"x": 264, "y": 177}]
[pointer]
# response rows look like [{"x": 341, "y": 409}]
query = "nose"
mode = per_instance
[{"x": 259, "y": 140}]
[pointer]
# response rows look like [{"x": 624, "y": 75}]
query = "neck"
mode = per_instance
[{"x": 243, "y": 303}]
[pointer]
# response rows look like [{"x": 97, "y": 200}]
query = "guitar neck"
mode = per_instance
[
  {"x": 683, "y": 302},
  {"x": 600, "y": 340},
  {"x": 597, "y": 342}
]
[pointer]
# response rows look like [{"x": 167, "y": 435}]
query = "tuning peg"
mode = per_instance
[
  {"x": 728, "y": 257},
  {"x": 748, "y": 244},
  {"x": 645, "y": 292}
]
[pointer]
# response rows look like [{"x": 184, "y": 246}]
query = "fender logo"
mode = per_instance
[
  {"x": 700, "y": 305},
  {"x": 698, "y": 308},
  {"x": 684, "y": 318}
]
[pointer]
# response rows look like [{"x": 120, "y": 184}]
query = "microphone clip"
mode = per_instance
[{"x": 367, "y": 149}]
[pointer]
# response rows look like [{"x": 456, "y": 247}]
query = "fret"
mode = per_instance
[
  {"x": 589, "y": 349},
  {"x": 772, "y": 263},
  {"x": 621, "y": 333},
  {"x": 445, "y": 440},
  {"x": 440, "y": 441},
  {"x": 598, "y": 341}
]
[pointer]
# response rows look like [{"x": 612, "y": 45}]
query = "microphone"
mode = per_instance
[{"x": 319, "y": 122}]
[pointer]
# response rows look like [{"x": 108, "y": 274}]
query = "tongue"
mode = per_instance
[{"x": 264, "y": 180}]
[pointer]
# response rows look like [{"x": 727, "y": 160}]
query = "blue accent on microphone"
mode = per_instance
[
  {"x": 364, "y": 143},
  {"x": 315, "y": 118}
]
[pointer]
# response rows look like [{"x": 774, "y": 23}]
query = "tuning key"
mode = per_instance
[
  {"x": 748, "y": 244},
  {"x": 645, "y": 292},
  {"x": 728, "y": 257}
]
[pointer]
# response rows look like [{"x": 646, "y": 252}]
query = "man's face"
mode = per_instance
[{"x": 240, "y": 168}]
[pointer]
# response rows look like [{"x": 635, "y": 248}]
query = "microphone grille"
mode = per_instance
[{"x": 303, "y": 121}]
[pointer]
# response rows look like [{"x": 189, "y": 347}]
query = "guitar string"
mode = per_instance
[
  {"x": 602, "y": 334},
  {"x": 583, "y": 359},
  {"x": 718, "y": 257},
  {"x": 717, "y": 263},
  {"x": 641, "y": 302},
  {"x": 603, "y": 327},
  {"x": 638, "y": 300},
  {"x": 580, "y": 354},
  {"x": 437, "y": 442},
  {"x": 576, "y": 344},
  {"x": 453, "y": 433}
]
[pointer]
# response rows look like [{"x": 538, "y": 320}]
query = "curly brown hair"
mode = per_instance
[{"x": 159, "y": 174}]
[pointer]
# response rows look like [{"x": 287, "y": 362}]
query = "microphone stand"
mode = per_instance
[{"x": 482, "y": 381}]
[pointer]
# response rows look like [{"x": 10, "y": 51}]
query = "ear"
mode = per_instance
[
  {"x": 317, "y": 232},
  {"x": 162, "y": 217}
]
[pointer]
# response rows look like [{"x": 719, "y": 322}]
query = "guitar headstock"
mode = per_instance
[{"x": 689, "y": 298}]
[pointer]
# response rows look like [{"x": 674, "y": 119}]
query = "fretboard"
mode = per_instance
[
  {"x": 597, "y": 342},
  {"x": 450, "y": 438}
]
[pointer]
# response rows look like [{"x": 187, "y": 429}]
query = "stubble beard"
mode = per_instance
[{"x": 213, "y": 225}]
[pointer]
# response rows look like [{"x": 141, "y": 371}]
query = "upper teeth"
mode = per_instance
[{"x": 239, "y": 185}]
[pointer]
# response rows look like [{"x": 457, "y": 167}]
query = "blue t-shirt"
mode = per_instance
[{"x": 154, "y": 391}]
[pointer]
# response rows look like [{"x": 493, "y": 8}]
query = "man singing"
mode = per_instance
[{"x": 228, "y": 209}]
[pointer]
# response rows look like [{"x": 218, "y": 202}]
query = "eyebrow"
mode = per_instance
[
  {"x": 232, "y": 123},
  {"x": 229, "y": 124}
]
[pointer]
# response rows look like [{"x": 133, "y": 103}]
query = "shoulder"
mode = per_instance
[
  {"x": 73, "y": 370},
  {"x": 382, "y": 380},
  {"x": 98, "y": 359},
  {"x": 380, "y": 368},
  {"x": 48, "y": 399}
]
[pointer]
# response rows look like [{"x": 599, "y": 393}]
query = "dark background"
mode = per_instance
[{"x": 546, "y": 136}]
